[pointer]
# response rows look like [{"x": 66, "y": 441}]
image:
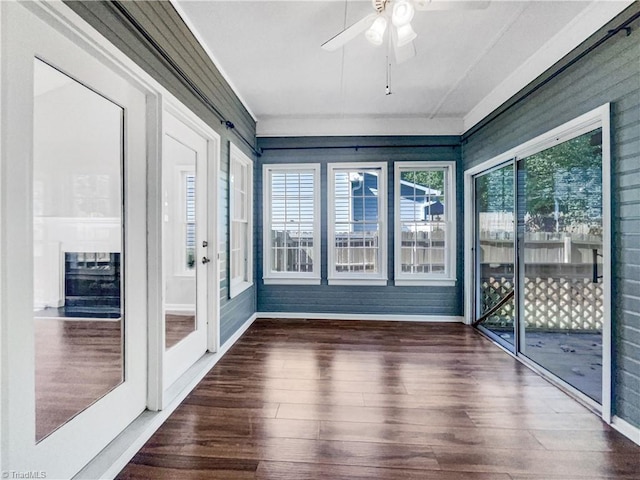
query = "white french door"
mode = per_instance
[
  {"x": 73, "y": 236},
  {"x": 186, "y": 246}
]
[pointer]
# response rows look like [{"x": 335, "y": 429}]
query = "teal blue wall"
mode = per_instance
[
  {"x": 324, "y": 298},
  {"x": 608, "y": 73}
]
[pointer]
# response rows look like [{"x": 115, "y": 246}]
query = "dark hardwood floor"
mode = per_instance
[
  {"x": 177, "y": 327},
  {"x": 77, "y": 363},
  {"x": 306, "y": 400}
]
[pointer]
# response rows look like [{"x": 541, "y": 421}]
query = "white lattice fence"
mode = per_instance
[
  {"x": 494, "y": 290},
  {"x": 563, "y": 304},
  {"x": 549, "y": 303}
]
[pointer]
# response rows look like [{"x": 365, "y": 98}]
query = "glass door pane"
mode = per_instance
[
  {"x": 560, "y": 197},
  {"x": 185, "y": 250},
  {"x": 77, "y": 247},
  {"x": 495, "y": 254},
  {"x": 179, "y": 238}
]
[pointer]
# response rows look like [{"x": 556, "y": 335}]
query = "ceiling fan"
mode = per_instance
[{"x": 399, "y": 14}]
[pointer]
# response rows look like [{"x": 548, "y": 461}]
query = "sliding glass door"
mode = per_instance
[
  {"x": 541, "y": 264},
  {"x": 561, "y": 229},
  {"x": 495, "y": 260}
]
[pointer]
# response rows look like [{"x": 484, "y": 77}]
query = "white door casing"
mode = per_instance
[
  {"x": 179, "y": 127},
  {"x": 25, "y": 37}
]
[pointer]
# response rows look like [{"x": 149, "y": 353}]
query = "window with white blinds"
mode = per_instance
[
  {"x": 292, "y": 223},
  {"x": 357, "y": 223},
  {"x": 425, "y": 227},
  {"x": 241, "y": 237},
  {"x": 189, "y": 182}
]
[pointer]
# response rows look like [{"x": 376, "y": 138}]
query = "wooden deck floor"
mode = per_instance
[{"x": 306, "y": 400}]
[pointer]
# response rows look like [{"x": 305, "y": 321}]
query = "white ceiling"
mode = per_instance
[{"x": 468, "y": 62}]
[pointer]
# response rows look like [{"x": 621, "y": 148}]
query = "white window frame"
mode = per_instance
[
  {"x": 290, "y": 278},
  {"x": 357, "y": 278},
  {"x": 240, "y": 283},
  {"x": 416, "y": 279}
]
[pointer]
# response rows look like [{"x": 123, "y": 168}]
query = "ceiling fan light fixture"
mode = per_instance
[
  {"x": 406, "y": 35},
  {"x": 375, "y": 33},
  {"x": 403, "y": 12}
]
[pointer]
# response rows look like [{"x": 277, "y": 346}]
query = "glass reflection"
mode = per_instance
[
  {"x": 77, "y": 237},
  {"x": 495, "y": 231},
  {"x": 356, "y": 208},
  {"x": 563, "y": 306},
  {"x": 423, "y": 221},
  {"x": 179, "y": 240}
]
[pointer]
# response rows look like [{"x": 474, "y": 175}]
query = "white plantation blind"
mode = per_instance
[{"x": 291, "y": 215}]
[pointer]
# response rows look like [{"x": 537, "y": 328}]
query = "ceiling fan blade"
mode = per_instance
[
  {"x": 403, "y": 53},
  {"x": 349, "y": 33},
  {"x": 451, "y": 4}
]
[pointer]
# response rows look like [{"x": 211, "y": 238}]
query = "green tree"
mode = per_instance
[
  {"x": 495, "y": 191},
  {"x": 563, "y": 185}
]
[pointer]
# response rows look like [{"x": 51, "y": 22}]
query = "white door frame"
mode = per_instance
[
  {"x": 33, "y": 30},
  {"x": 158, "y": 395},
  {"x": 598, "y": 117},
  {"x": 176, "y": 116},
  {"x": 70, "y": 25}
]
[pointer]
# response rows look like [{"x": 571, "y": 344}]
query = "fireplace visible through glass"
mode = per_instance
[{"x": 92, "y": 284}]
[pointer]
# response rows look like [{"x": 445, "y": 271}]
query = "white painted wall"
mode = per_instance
[
  {"x": 77, "y": 178},
  {"x": 180, "y": 285}
]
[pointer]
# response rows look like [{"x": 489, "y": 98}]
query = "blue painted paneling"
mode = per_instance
[
  {"x": 358, "y": 299},
  {"x": 610, "y": 73},
  {"x": 234, "y": 313}
]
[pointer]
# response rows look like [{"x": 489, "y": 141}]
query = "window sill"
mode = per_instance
[
  {"x": 425, "y": 282},
  {"x": 290, "y": 281},
  {"x": 237, "y": 289},
  {"x": 381, "y": 282}
]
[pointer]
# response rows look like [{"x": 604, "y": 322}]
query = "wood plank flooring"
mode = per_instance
[
  {"x": 307, "y": 400},
  {"x": 77, "y": 363},
  {"x": 177, "y": 327}
]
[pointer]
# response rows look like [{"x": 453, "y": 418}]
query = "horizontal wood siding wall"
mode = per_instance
[
  {"x": 609, "y": 73},
  {"x": 354, "y": 299},
  {"x": 161, "y": 21}
]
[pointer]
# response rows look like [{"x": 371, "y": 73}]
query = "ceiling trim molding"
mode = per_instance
[
  {"x": 356, "y": 126},
  {"x": 185, "y": 18},
  {"x": 590, "y": 20}
]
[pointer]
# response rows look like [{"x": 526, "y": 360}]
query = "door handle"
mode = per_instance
[
  {"x": 205, "y": 260},
  {"x": 595, "y": 276}
]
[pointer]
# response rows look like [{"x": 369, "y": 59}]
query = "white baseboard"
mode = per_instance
[
  {"x": 110, "y": 461},
  {"x": 359, "y": 316},
  {"x": 625, "y": 428}
]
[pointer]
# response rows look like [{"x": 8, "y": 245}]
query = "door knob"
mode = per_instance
[{"x": 205, "y": 260}]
